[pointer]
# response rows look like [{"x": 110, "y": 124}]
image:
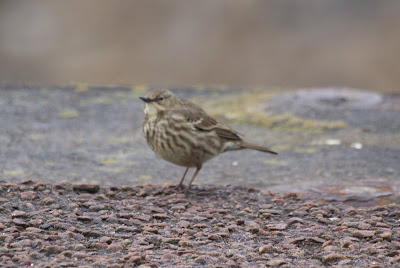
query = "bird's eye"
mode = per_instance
[{"x": 161, "y": 98}]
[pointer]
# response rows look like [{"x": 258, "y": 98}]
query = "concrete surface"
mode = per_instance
[{"x": 340, "y": 144}]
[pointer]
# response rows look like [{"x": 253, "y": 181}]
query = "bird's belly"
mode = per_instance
[{"x": 179, "y": 144}]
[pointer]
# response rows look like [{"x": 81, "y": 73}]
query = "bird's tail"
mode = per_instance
[{"x": 247, "y": 145}]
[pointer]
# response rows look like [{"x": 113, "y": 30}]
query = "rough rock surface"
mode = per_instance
[{"x": 66, "y": 225}]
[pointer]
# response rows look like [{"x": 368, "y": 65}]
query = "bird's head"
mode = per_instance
[{"x": 158, "y": 100}]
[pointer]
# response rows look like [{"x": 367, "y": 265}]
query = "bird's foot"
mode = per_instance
[
  {"x": 180, "y": 187},
  {"x": 188, "y": 191}
]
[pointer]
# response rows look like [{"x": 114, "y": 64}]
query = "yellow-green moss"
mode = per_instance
[
  {"x": 13, "y": 173},
  {"x": 140, "y": 88},
  {"x": 249, "y": 108},
  {"x": 82, "y": 87},
  {"x": 275, "y": 162},
  {"x": 68, "y": 113},
  {"x": 145, "y": 177},
  {"x": 109, "y": 161},
  {"x": 85, "y": 181}
]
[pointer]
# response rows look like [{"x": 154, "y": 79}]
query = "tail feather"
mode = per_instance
[{"x": 247, "y": 145}]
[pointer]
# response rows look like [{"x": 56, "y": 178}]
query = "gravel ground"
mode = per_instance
[{"x": 66, "y": 225}]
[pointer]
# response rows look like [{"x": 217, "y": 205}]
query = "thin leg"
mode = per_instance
[
  {"x": 183, "y": 178},
  {"x": 194, "y": 176}
]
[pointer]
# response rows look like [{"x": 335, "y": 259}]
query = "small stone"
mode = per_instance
[
  {"x": 18, "y": 214},
  {"x": 91, "y": 233},
  {"x": 135, "y": 259},
  {"x": 114, "y": 248},
  {"x": 276, "y": 227},
  {"x": 364, "y": 226},
  {"x": 51, "y": 250},
  {"x": 202, "y": 260},
  {"x": 160, "y": 216},
  {"x": 88, "y": 188},
  {"x": 266, "y": 248},
  {"x": 80, "y": 255},
  {"x": 183, "y": 224},
  {"x": 381, "y": 225},
  {"x": 99, "y": 246},
  {"x": 20, "y": 222},
  {"x": 105, "y": 239},
  {"x": 78, "y": 247},
  {"x": 332, "y": 257},
  {"x": 84, "y": 218},
  {"x": 270, "y": 211},
  {"x": 240, "y": 222},
  {"x": 168, "y": 256},
  {"x": 185, "y": 243},
  {"x": 295, "y": 220},
  {"x": 326, "y": 243},
  {"x": 67, "y": 253},
  {"x": 150, "y": 230},
  {"x": 77, "y": 212},
  {"x": 21, "y": 244},
  {"x": 28, "y": 195},
  {"x": 363, "y": 234},
  {"x": 386, "y": 234},
  {"x": 346, "y": 261},
  {"x": 230, "y": 253},
  {"x": 237, "y": 245},
  {"x": 171, "y": 240},
  {"x": 178, "y": 207},
  {"x": 214, "y": 237},
  {"x": 48, "y": 201},
  {"x": 316, "y": 239},
  {"x": 276, "y": 262}
]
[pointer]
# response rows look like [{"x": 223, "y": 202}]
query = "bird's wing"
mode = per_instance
[{"x": 201, "y": 121}]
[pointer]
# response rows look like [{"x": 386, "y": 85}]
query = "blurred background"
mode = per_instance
[{"x": 190, "y": 42}]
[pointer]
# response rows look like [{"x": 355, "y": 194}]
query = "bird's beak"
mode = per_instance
[{"x": 145, "y": 99}]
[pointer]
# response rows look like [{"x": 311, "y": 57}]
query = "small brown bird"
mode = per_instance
[{"x": 182, "y": 133}]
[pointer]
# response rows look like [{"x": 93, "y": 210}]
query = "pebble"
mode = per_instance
[
  {"x": 185, "y": 243},
  {"x": 89, "y": 188},
  {"x": 53, "y": 249},
  {"x": 266, "y": 248},
  {"x": 183, "y": 224},
  {"x": 363, "y": 234},
  {"x": 386, "y": 234},
  {"x": 332, "y": 257},
  {"x": 295, "y": 220},
  {"x": 58, "y": 226},
  {"x": 276, "y": 227},
  {"x": 48, "y": 201},
  {"x": 28, "y": 195},
  {"x": 18, "y": 214},
  {"x": 160, "y": 216},
  {"x": 114, "y": 248},
  {"x": 84, "y": 218},
  {"x": 276, "y": 262}
]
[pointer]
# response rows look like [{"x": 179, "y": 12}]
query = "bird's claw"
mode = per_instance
[{"x": 180, "y": 187}]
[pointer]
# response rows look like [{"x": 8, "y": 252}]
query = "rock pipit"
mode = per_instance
[{"x": 182, "y": 132}]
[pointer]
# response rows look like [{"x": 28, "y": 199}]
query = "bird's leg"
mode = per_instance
[
  {"x": 194, "y": 176},
  {"x": 180, "y": 185}
]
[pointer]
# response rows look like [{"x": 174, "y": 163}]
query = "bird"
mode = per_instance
[{"x": 182, "y": 133}]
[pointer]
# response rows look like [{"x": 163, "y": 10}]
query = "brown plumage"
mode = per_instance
[{"x": 182, "y": 133}]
